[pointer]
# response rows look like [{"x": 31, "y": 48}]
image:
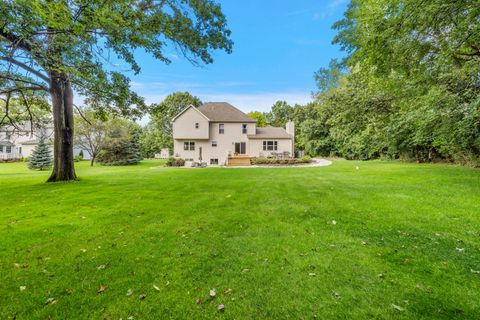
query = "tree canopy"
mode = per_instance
[{"x": 60, "y": 47}]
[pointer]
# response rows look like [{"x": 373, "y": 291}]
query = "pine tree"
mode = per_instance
[{"x": 41, "y": 158}]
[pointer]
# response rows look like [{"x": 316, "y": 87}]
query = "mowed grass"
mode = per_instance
[{"x": 405, "y": 244}]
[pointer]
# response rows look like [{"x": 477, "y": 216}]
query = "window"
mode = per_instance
[
  {"x": 214, "y": 143},
  {"x": 1, "y": 148},
  {"x": 270, "y": 145},
  {"x": 8, "y": 149},
  {"x": 244, "y": 128},
  {"x": 240, "y": 147},
  {"x": 221, "y": 128},
  {"x": 214, "y": 161},
  {"x": 196, "y": 125},
  {"x": 189, "y": 145},
  {"x": 188, "y": 159}
]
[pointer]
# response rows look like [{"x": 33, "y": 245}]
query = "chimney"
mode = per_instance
[{"x": 290, "y": 128}]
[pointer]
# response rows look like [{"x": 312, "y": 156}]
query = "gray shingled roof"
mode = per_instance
[
  {"x": 270, "y": 133},
  {"x": 223, "y": 112}
]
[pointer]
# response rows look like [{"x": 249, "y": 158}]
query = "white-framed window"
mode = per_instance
[
  {"x": 221, "y": 128},
  {"x": 244, "y": 128},
  {"x": 270, "y": 145},
  {"x": 1, "y": 148},
  {"x": 8, "y": 149},
  {"x": 214, "y": 143},
  {"x": 214, "y": 161},
  {"x": 189, "y": 145},
  {"x": 197, "y": 125}
]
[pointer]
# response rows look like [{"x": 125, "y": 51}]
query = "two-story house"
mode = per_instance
[{"x": 220, "y": 134}]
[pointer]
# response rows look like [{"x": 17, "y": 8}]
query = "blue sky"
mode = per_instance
[{"x": 278, "y": 46}]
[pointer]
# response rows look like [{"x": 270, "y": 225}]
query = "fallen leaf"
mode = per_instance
[
  {"x": 83, "y": 250},
  {"x": 397, "y": 307},
  {"x": 336, "y": 294},
  {"x": 460, "y": 249},
  {"x": 311, "y": 274},
  {"x": 221, "y": 307},
  {"x": 69, "y": 291},
  {"x": 102, "y": 289},
  {"x": 142, "y": 296},
  {"x": 101, "y": 267},
  {"x": 227, "y": 291},
  {"x": 197, "y": 301},
  {"x": 334, "y": 222},
  {"x": 475, "y": 271},
  {"x": 364, "y": 243},
  {"x": 213, "y": 292},
  {"x": 129, "y": 292},
  {"x": 245, "y": 270},
  {"x": 23, "y": 288},
  {"x": 50, "y": 300},
  {"x": 156, "y": 288}
]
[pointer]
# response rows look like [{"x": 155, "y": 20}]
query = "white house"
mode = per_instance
[
  {"x": 17, "y": 142},
  {"x": 220, "y": 134}
]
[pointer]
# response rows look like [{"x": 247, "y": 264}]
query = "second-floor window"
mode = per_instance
[
  {"x": 221, "y": 128},
  {"x": 244, "y": 128},
  {"x": 214, "y": 143},
  {"x": 189, "y": 145},
  {"x": 196, "y": 125}
]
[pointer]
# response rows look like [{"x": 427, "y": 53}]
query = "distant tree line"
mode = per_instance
[{"x": 409, "y": 86}]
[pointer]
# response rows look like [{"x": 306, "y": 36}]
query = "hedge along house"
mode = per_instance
[{"x": 219, "y": 134}]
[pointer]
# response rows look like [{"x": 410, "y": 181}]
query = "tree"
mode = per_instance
[
  {"x": 121, "y": 145},
  {"x": 90, "y": 133},
  {"x": 281, "y": 113},
  {"x": 260, "y": 117},
  {"x": 41, "y": 158},
  {"x": 409, "y": 85},
  {"x": 59, "y": 47}
]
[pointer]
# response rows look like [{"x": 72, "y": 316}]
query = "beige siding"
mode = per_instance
[
  {"x": 184, "y": 125},
  {"x": 256, "y": 147}
]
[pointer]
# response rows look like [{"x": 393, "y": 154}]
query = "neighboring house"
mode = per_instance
[
  {"x": 164, "y": 154},
  {"x": 220, "y": 134},
  {"x": 17, "y": 142}
]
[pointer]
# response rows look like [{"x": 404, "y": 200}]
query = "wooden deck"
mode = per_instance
[{"x": 240, "y": 160}]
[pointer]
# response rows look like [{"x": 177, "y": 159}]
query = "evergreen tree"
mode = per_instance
[{"x": 41, "y": 158}]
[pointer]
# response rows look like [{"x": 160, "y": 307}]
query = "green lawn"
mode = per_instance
[{"x": 405, "y": 244}]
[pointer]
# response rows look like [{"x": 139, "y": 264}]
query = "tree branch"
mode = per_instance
[
  {"x": 26, "y": 68},
  {"x": 20, "y": 89}
]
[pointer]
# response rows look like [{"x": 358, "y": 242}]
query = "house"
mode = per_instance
[
  {"x": 18, "y": 141},
  {"x": 219, "y": 134},
  {"x": 164, "y": 154}
]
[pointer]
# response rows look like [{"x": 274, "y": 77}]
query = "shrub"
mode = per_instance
[
  {"x": 305, "y": 159},
  {"x": 271, "y": 161},
  {"x": 175, "y": 162}
]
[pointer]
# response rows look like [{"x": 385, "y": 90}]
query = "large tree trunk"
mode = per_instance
[{"x": 62, "y": 106}]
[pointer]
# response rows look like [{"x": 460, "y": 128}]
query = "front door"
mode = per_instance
[{"x": 241, "y": 147}]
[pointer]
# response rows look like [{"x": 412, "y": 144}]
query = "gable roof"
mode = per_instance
[
  {"x": 270, "y": 133},
  {"x": 188, "y": 107},
  {"x": 223, "y": 112}
]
